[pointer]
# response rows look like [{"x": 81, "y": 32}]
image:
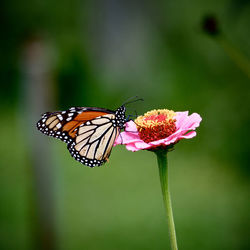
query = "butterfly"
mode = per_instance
[{"x": 90, "y": 133}]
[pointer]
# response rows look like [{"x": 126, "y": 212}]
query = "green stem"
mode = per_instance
[
  {"x": 236, "y": 56},
  {"x": 163, "y": 171}
]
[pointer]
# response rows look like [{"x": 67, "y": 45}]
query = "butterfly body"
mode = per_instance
[{"x": 89, "y": 132}]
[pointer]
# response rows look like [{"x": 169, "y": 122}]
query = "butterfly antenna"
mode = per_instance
[
  {"x": 121, "y": 138},
  {"x": 132, "y": 99}
]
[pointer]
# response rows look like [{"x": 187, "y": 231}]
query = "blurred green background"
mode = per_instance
[{"x": 59, "y": 54}]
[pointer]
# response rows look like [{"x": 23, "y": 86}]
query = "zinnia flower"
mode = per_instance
[
  {"x": 158, "y": 131},
  {"x": 159, "y": 128}
]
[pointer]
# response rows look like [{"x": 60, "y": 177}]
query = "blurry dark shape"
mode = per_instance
[
  {"x": 210, "y": 25},
  {"x": 36, "y": 97}
]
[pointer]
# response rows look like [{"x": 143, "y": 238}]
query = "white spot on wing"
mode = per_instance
[
  {"x": 60, "y": 117},
  {"x": 59, "y": 125}
]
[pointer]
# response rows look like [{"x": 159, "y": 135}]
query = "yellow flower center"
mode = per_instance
[{"x": 156, "y": 124}]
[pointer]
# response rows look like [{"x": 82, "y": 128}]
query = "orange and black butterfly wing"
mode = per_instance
[
  {"x": 94, "y": 140},
  {"x": 62, "y": 124},
  {"x": 89, "y": 132}
]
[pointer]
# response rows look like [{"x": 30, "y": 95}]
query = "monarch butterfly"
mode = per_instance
[{"x": 90, "y": 133}]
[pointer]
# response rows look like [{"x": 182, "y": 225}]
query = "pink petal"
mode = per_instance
[
  {"x": 166, "y": 141},
  {"x": 129, "y": 135},
  {"x": 130, "y": 127},
  {"x": 184, "y": 121},
  {"x": 189, "y": 135},
  {"x": 180, "y": 118},
  {"x": 142, "y": 145},
  {"x": 132, "y": 147}
]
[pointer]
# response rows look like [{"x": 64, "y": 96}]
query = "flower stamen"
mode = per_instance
[{"x": 156, "y": 124}]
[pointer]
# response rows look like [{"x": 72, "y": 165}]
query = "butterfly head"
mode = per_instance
[{"x": 120, "y": 117}]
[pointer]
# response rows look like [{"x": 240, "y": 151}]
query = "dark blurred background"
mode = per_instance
[{"x": 59, "y": 54}]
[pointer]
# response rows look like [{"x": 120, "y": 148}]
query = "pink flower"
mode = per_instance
[{"x": 158, "y": 128}]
